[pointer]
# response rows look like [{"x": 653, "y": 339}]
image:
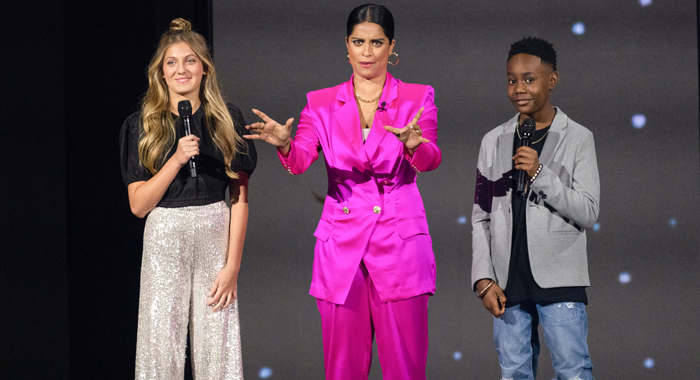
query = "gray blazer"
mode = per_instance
[{"x": 562, "y": 203}]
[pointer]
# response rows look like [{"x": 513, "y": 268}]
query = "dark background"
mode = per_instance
[{"x": 74, "y": 70}]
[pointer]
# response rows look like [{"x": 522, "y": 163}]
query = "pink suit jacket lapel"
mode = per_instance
[
  {"x": 348, "y": 119},
  {"x": 383, "y": 117}
]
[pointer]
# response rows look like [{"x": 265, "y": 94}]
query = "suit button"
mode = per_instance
[
  {"x": 346, "y": 210},
  {"x": 377, "y": 209}
]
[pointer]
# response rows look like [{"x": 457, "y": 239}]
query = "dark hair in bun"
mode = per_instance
[{"x": 376, "y": 14}]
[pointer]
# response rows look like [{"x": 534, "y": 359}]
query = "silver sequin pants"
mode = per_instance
[{"x": 183, "y": 251}]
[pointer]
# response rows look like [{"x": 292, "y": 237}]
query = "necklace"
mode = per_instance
[
  {"x": 358, "y": 97},
  {"x": 542, "y": 138}
]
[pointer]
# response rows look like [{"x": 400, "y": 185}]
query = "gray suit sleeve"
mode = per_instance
[
  {"x": 482, "y": 266},
  {"x": 580, "y": 202}
]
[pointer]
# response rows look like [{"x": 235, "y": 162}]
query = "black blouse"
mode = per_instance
[{"x": 211, "y": 182}]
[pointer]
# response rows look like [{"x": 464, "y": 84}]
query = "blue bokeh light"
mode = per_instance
[
  {"x": 264, "y": 373},
  {"x": 457, "y": 355},
  {"x": 625, "y": 278},
  {"x": 639, "y": 120},
  {"x": 578, "y": 28},
  {"x": 596, "y": 227},
  {"x": 672, "y": 222},
  {"x": 644, "y": 3},
  {"x": 649, "y": 363},
  {"x": 462, "y": 220}
]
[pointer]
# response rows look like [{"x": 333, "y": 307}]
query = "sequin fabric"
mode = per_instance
[{"x": 183, "y": 251}]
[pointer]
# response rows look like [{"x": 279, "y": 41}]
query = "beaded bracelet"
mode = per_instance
[
  {"x": 536, "y": 174},
  {"x": 486, "y": 289}
]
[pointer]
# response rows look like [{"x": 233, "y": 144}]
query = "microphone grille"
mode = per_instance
[
  {"x": 528, "y": 126},
  {"x": 184, "y": 108}
]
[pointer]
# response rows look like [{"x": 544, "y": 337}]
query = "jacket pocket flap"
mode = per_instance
[
  {"x": 412, "y": 227},
  {"x": 323, "y": 231}
]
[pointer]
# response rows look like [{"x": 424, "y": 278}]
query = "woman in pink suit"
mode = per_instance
[{"x": 374, "y": 266}]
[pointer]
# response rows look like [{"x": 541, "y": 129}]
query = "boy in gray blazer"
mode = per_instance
[{"x": 529, "y": 263}]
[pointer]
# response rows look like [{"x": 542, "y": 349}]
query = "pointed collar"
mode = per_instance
[
  {"x": 347, "y": 115},
  {"x": 556, "y": 133}
]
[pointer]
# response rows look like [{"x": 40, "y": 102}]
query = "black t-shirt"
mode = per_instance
[
  {"x": 211, "y": 182},
  {"x": 521, "y": 284}
]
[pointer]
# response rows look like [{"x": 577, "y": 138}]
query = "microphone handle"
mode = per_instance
[
  {"x": 191, "y": 164},
  {"x": 522, "y": 174},
  {"x": 521, "y": 182},
  {"x": 193, "y": 168}
]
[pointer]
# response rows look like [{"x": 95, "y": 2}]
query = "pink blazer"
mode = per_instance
[{"x": 373, "y": 210}]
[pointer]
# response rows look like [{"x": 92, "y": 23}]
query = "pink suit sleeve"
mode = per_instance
[
  {"x": 427, "y": 156},
  {"x": 304, "y": 148}
]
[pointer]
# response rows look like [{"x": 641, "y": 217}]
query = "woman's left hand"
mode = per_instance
[
  {"x": 410, "y": 135},
  {"x": 224, "y": 290}
]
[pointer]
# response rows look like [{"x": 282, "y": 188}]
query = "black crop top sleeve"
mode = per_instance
[
  {"x": 248, "y": 158},
  {"x": 132, "y": 170}
]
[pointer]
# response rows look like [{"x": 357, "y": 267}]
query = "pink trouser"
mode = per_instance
[{"x": 348, "y": 331}]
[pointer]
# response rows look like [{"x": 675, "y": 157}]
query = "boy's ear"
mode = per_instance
[{"x": 553, "y": 80}]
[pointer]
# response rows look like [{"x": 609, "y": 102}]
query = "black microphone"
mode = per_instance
[
  {"x": 526, "y": 129},
  {"x": 381, "y": 108},
  {"x": 184, "y": 108}
]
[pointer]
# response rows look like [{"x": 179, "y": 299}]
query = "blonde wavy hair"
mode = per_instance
[{"x": 158, "y": 125}]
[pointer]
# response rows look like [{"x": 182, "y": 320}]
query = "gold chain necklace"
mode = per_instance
[
  {"x": 543, "y": 136},
  {"x": 358, "y": 97}
]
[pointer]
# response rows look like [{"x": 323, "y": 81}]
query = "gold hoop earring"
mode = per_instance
[{"x": 397, "y": 58}]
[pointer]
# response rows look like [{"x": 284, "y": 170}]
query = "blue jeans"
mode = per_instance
[{"x": 565, "y": 326}]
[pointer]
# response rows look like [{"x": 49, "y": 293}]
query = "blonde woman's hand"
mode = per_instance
[
  {"x": 224, "y": 290},
  {"x": 271, "y": 131},
  {"x": 410, "y": 135},
  {"x": 187, "y": 147}
]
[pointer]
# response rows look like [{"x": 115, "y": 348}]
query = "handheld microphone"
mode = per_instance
[
  {"x": 184, "y": 108},
  {"x": 526, "y": 129},
  {"x": 381, "y": 107}
]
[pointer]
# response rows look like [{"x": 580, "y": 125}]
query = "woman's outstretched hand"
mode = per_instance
[
  {"x": 410, "y": 135},
  {"x": 224, "y": 290},
  {"x": 271, "y": 131}
]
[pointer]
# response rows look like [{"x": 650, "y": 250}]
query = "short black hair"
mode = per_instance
[
  {"x": 376, "y": 14},
  {"x": 535, "y": 46}
]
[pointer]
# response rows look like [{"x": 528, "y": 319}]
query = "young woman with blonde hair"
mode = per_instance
[{"x": 192, "y": 242}]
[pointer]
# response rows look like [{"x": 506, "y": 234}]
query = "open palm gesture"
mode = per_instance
[
  {"x": 411, "y": 135},
  {"x": 271, "y": 131}
]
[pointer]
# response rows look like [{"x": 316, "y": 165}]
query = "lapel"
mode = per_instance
[
  {"x": 554, "y": 138},
  {"x": 383, "y": 117},
  {"x": 504, "y": 160},
  {"x": 348, "y": 119}
]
